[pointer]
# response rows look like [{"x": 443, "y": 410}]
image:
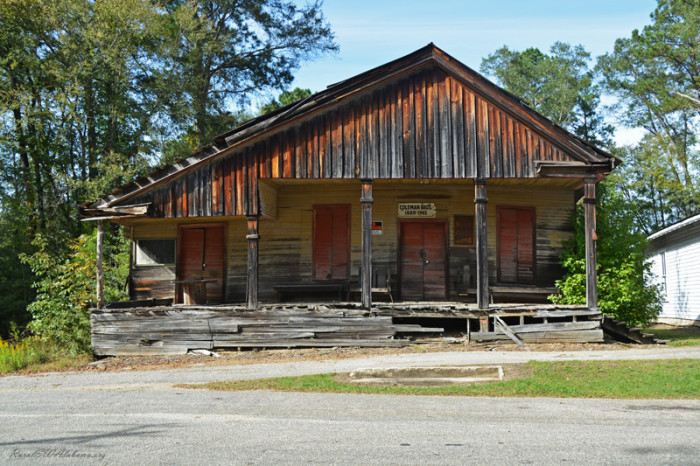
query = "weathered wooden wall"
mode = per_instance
[
  {"x": 286, "y": 242},
  {"x": 426, "y": 125}
]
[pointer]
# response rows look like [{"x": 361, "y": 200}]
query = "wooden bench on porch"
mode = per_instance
[
  {"x": 310, "y": 289},
  {"x": 537, "y": 293}
]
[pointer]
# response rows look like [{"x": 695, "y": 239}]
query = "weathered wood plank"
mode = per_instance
[
  {"x": 443, "y": 164},
  {"x": 581, "y": 336}
]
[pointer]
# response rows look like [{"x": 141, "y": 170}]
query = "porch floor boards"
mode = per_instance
[{"x": 178, "y": 329}]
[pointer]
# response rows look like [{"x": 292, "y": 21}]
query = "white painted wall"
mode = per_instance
[{"x": 675, "y": 257}]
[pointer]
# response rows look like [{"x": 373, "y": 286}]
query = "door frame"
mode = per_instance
[
  {"x": 180, "y": 245},
  {"x": 534, "y": 243},
  {"x": 446, "y": 225}
]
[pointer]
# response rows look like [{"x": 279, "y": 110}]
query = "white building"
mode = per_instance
[{"x": 675, "y": 256}]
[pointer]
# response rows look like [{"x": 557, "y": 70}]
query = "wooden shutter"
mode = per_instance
[
  {"x": 331, "y": 242},
  {"x": 516, "y": 245}
]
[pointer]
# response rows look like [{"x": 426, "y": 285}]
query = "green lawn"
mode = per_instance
[
  {"x": 677, "y": 336},
  {"x": 664, "y": 379}
]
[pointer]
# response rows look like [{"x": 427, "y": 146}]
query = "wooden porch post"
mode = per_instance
[
  {"x": 252, "y": 237},
  {"x": 589, "y": 202},
  {"x": 100, "y": 276},
  {"x": 482, "y": 257},
  {"x": 366, "y": 278}
]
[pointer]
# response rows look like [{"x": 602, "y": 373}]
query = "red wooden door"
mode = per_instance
[
  {"x": 202, "y": 254},
  {"x": 331, "y": 248},
  {"x": 423, "y": 260},
  {"x": 516, "y": 245}
]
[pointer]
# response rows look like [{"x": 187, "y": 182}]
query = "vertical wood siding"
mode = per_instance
[{"x": 427, "y": 125}]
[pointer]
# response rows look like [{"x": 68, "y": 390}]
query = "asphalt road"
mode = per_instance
[{"x": 141, "y": 418}]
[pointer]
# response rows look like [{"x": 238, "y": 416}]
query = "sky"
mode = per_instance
[{"x": 373, "y": 32}]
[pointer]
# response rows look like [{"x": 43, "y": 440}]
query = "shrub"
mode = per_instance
[
  {"x": 625, "y": 289},
  {"x": 66, "y": 285},
  {"x": 17, "y": 356}
]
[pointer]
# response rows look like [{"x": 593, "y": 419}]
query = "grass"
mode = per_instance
[
  {"x": 660, "y": 379},
  {"x": 677, "y": 336},
  {"x": 33, "y": 355}
]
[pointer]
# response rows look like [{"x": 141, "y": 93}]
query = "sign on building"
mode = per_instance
[{"x": 417, "y": 210}]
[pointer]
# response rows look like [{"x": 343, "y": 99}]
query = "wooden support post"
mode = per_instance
[
  {"x": 252, "y": 237},
  {"x": 482, "y": 255},
  {"x": 366, "y": 278},
  {"x": 589, "y": 202},
  {"x": 100, "y": 253}
]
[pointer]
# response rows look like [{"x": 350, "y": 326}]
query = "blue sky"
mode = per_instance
[{"x": 373, "y": 32}]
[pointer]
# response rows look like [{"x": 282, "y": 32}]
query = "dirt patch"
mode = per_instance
[{"x": 273, "y": 356}]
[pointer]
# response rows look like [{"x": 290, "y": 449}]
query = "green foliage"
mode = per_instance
[
  {"x": 285, "y": 98},
  {"x": 65, "y": 286},
  {"x": 223, "y": 51},
  {"x": 654, "y": 74},
  {"x": 16, "y": 278},
  {"x": 560, "y": 85},
  {"x": 94, "y": 92},
  {"x": 649, "y": 182},
  {"x": 17, "y": 356},
  {"x": 34, "y": 353},
  {"x": 625, "y": 288}
]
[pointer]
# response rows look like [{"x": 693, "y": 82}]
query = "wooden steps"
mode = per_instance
[{"x": 622, "y": 332}]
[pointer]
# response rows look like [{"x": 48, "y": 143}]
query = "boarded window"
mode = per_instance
[
  {"x": 331, "y": 260},
  {"x": 155, "y": 251},
  {"x": 464, "y": 230}
]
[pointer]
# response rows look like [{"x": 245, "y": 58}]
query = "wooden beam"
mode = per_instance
[
  {"x": 555, "y": 169},
  {"x": 589, "y": 202},
  {"x": 366, "y": 278},
  {"x": 253, "y": 238},
  {"x": 482, "y": 257},
  {"x": 498, "y": 324},
  {"x": 100, "y": 276}
]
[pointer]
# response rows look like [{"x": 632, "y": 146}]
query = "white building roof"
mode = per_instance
[{"x": 675, "y": 227}]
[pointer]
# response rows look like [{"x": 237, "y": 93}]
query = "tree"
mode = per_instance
[
  {"x": 559, "y": 85},
  {"x": 655, "y": 74},
  {"x": 285, "y": 98},
  {"x": 94, "y": 91},
  {"x": 562, "y": 87},
  {"x": 220, "y": 52}
]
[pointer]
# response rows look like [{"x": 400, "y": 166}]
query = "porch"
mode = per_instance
[{"x": 159, "y": 329}]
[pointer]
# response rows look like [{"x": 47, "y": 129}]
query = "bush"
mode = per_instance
[
  {"x": 66, "y": 285},
  {"x": 17, "y": 356},
  {"x": 625, "y": 289}
]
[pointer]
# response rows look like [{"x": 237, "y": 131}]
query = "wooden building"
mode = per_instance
[{"x": 420, "y": 176}]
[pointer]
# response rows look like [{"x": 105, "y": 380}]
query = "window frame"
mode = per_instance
[{"x": 136, "y": 247}]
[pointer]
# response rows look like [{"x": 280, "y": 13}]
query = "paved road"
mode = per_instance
[{"x": 140, "y": 417}]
